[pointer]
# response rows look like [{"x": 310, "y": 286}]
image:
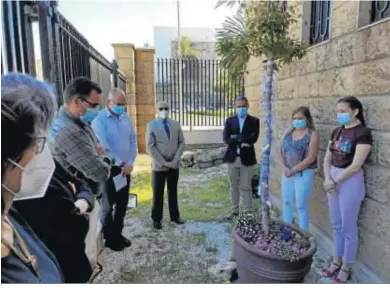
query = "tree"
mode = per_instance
[
  {"x": 187, "y": 49},
  {"x": 259, "y": 29}
]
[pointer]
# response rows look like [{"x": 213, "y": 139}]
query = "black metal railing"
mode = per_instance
[
  {"x": 380, "y": 10},
  {"x": 320, "y": 21},
  {"x": 199, "y": 92},
  {"x": 17, "y": 37},
  {"x": 65, "y": 52}
]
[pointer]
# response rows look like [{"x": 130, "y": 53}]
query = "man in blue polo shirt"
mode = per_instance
[{"x": 116, "y": 133}]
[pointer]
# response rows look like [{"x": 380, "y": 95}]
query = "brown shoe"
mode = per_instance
[{"x": 230, "y": 216}]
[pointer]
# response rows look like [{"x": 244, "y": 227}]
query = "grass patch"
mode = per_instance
[
  {"x": 194, "y": 201},
  {"x": 212, "y": 248}
]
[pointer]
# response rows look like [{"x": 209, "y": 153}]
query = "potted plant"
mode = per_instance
[{"x": 261, "y": 29}]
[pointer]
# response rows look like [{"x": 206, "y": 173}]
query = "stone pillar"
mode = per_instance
[
  {"x": 137, "y": 64},
  {"x": 125, "y": 55},
  {"x": 145, "y": 92}
]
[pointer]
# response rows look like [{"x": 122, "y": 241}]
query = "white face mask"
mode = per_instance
[
  {"x": 36, "y": 176},
  {"x": 163, "y": 114}
]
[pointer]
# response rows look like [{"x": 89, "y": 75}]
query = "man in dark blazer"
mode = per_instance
[{"x": 240, "y": 133}]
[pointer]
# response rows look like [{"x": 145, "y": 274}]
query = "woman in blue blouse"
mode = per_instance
[
  {"x": 27, "y": 108},
  {"x": 298, "y": 152}
]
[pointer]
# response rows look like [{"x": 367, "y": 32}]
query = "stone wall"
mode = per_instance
[
  {"x": 354, "y": 62},
  {"x": 137, "y": 64},
  {"x": 202, "y": 158}
]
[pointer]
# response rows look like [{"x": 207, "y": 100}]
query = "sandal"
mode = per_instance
[
  {"x": 337, "y": 280},
  {"x": 327, "y": 273}
]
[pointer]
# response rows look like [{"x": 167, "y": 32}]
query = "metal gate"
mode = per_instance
[
  {"x": 199, "y": 92},
  {"x": 65, "y": 52}
]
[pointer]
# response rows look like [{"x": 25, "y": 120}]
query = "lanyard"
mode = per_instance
[{"x": 24, "y": 254}]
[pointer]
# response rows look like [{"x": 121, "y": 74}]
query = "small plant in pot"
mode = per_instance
[
  {"x": 265, "y": 250},
  {"x": 283, "y": 255}
]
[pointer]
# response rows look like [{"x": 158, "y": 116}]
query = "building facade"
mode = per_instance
[{"x": 348, "y": 55}]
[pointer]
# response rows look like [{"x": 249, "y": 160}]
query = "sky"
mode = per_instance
[{"x": 104, "y": 22}]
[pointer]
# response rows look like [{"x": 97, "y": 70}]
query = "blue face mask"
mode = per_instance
[
  {"x": 89, "y": 115},
  {"x": 299, "y": 124},
  {"x": 343, "y": 118},
  {"x": 118, "y": 109},
  {"x": 242, "y": 112}
]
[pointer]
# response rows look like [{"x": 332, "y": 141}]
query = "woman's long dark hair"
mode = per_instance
[
  {"x": 306, "y": 112},
  {"x": 354, "y": 103}
]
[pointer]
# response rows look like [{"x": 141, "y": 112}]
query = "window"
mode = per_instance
[
  {"x": 379, "y": 10},
  {"x": 319, "y": 21},
  {"x": 372, "y": 12}
]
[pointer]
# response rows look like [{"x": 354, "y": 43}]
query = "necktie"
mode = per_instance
[{"x": 166, "y": 128}]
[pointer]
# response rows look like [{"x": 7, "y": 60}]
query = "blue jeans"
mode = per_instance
[{"x": 300, "y": 186}]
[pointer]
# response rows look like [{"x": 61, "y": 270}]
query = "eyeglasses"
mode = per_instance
[
  {"x": 93, "y": 105},
  {"x": 241, "y": 106},
  {"x": 40, "y": 143},
  {"x": 163, "y": 109}
]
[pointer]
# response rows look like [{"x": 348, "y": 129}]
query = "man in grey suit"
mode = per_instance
[{"x": 165, "y": 145}]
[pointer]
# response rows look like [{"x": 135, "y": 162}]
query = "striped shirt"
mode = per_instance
[{"x": 75, "y": 146}]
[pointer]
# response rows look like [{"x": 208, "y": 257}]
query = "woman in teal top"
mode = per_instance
[{"x": 298, "y": 153}]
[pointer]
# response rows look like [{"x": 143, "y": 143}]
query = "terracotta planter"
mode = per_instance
[{"x": 255, "y": 266}]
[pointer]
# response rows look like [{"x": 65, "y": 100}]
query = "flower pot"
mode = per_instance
[{"x": 256, "y": 266}]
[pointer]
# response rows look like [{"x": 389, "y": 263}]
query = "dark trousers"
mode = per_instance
[
  {"x": 171, "y": 177},
  {"x": 113, "y": 221}
]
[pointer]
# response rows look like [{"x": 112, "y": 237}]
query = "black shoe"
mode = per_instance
[
  {"x": 157, "y": 225},
  {"x": 123, "y": 240},
  {"x": 178, "y": 221},
  {"x": 116, "y": 246}
]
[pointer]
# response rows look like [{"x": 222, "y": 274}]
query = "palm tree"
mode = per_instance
[
  {"x": 187, "y": 50},
  {"x": 259, "y": 29}
]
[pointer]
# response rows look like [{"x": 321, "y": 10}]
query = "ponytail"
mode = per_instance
[{"x": 354, "y": 103}]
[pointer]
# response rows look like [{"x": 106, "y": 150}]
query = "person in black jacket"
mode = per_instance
[
  {"x": 60, "y": 222},
  {"x": 240, "y": 133}
]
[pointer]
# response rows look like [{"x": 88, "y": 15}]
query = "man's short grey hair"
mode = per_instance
[
  {"x": 162, "y": 103},
  {"x": 115, "y": 91},
  {"x": 24, "y": 98}
]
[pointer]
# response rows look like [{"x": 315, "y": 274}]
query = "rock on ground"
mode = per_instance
[{"x": 202, "y": 159}]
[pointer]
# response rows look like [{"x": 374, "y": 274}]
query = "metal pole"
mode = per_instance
[{"x": 181, "y": 110}]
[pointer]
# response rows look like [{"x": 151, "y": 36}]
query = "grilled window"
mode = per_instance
[
  {"x": 379, "y": 10},
  {"x": 320, "y": 21}
]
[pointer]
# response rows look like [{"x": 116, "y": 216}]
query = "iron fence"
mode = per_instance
[
  {"x": 199, "y": 92},
  {"x": 65, "y": 52}
]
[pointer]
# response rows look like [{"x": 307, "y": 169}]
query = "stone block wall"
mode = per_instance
[
  {"x": 137, "y": 64},
  {"x": 355, "y": 61}
]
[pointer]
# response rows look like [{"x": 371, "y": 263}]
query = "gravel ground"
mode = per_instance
[{"x": 197, "y": 252}]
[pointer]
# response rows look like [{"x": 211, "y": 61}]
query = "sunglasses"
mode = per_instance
[
  {"x": 40, "y": 144},
  {"x": 93, "y": 105},
  {"x": 163, "y": 109}
]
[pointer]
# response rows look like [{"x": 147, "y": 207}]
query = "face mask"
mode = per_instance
[
  {"x": 242, "y": 112},
  {"x": 299, "y": 124},
  {"x": 118, "y": 109},
  {"x": 343, "y": 118},
  {"x": 36, "y": 176},
  {"x": 163, "y": 114},
  {"x": 89, "y": 115}
]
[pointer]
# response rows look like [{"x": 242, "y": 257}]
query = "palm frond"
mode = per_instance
[
  {"x": 233, "y": 43},
  {"x": 228, "y": 3}
]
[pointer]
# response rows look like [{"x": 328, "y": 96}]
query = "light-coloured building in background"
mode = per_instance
[
  {"x": 163, "y": 37},
  {"x": 353, "y": 60}
]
